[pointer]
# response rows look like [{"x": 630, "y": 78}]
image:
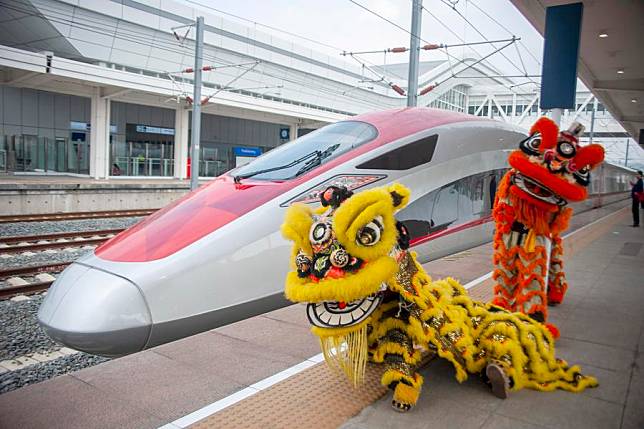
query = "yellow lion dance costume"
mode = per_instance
[
  {"x": 548, "y": 170},
  {"x": 369, "y": 299}
]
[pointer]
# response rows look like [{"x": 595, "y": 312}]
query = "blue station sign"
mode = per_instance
[{"x": 247, "y": 151}]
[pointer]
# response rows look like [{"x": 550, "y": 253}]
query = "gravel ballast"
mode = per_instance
[
  {"x": 20, "y": 333},
  {"x": 44, "y": 371},
  {"x": 50, "y": 227}
]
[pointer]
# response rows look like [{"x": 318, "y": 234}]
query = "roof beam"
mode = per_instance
[
  {"x": 632, "y": 119},
  {"x": 117, "y": 92},
  {"x": 619, "y": 85},
  {"x": 21, "y": 78}
]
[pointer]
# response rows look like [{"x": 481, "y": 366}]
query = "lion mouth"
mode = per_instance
[
  {"x": 334, "y": 314},
  {"x": 537, "y": 190}
]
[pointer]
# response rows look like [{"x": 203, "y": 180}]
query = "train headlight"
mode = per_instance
[{"x": 349, "y": 181}]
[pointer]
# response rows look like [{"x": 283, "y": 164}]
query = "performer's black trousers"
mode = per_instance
[{"x": 636, "y": 211}]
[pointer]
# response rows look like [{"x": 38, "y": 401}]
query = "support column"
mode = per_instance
[
  {"x": 293, "y": 131},
  {"x": 181, "y": 125},
  {"x": 99, "y": 137}
]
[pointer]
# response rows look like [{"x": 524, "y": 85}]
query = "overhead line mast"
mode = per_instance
[{"x": 414, "y": 52}]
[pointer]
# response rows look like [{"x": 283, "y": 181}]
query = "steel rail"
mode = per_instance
[
  {"x": 75, "y": 215},
  {"x": 57, "y": 235},
  {"x": 33, "y": 270},
  {"x": 8, "y": 292},
  {"x": 38, "y": 247}
]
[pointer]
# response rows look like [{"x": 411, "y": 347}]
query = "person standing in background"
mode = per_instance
[{"x": 636, "y": 193}]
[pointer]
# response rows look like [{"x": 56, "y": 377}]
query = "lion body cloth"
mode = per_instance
[
  {"x": 368, "y": 298},
  {"x": 548, "y": 170}
]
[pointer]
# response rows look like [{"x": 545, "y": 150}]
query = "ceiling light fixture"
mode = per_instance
[
  {"x": 620, "y": 71},
  {"x": 603, "y": 35},
  {"x": 633, "y": 100}
]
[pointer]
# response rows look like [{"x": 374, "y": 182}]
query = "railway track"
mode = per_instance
[
  {"x": 60, "y": 240},
  {"x": 29, "y": 280},
  {"x": 75, "y": 215}
]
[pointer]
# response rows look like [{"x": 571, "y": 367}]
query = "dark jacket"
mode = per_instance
[{"x": 637, "y": 187}]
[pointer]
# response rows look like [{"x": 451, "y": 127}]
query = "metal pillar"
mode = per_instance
[
  {"x": 628, "y": 143},
  {"x": 592, "y": 122},
  {"x": 196, "y": 105},
  {"x": 556, "y": 115},
  {"x": 414, "y": 51}
]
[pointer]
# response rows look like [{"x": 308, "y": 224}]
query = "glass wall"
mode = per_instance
[
  {"x": 455, "y": 99},
  {"x": 141, "y": 140},
  {"x": 43, "y": 131},
  {"x": 227, "y": 143}
]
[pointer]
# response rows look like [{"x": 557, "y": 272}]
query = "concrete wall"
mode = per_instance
[{"x": 21, "y": 199}]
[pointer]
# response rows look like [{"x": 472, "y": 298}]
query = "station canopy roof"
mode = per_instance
[{"x": 611, "y": 66}]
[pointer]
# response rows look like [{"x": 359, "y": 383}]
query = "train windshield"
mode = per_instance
[{"x": 308, "y": 152}]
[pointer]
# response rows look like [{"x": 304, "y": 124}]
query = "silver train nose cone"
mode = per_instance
[{"x": 97, "y": 312}]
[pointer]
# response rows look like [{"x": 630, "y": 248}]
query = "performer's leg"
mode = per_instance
[
  {"x": 505, "y": 271},
  {"x": 531, "y": 295},
  {"x": 557, "y": 284},
  {"x": 401, "y": 361},
  {"x": 636, "y": 212}
]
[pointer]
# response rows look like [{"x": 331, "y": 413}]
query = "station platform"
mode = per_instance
[
  {"x": 39, "y": 194},
  {"x": 267, "y": 371}
]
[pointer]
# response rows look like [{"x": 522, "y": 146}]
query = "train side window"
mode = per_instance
[
  {"x": 477, "y": 195},
  {"x": 405, "y": 157},
  {"x": 417, "y": 215},
  {"x": 445, "y": 210}
]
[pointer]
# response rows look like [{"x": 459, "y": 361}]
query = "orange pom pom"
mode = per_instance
[
  {"x": 591, "y": 155},
  {"x": 549, "y": 132}
]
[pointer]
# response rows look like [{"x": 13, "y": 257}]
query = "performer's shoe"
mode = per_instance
[
  {"x": 405, "y": 397},
  {"x": 499, "y": 381}
]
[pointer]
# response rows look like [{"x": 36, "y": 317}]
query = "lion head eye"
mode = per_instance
[
  {"x": 370, "y": 234},
  {"x": 530, "y": 146},
  {"x": 566, "y": 149}
]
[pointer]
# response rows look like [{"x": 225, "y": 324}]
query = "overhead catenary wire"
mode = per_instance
[
  {"x": 431, "y": 87},
  {"x": 439, "y": 21},
  {"x": 427, "y": 47},
  {"x": 473, "y": 3},
  {"x": 453, "y": 7},
  {"x": 299, "y": 36}
]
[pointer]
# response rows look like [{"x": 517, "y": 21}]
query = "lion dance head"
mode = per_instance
[
  {"x": 552, "y": 168},
  {"x": 344, "y": 255}
]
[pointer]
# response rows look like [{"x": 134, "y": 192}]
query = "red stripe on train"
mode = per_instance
[{"x": 438, "y": 234}]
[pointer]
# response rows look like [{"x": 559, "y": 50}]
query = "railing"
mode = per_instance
[{"x": 137, "y": 166}]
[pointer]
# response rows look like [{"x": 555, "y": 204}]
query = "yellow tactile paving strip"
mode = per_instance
[
  {"x": 314, "y": 398},
  {"x": 318, "y": 398}
]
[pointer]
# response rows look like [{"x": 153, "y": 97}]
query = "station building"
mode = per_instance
[{"x": 96, "y": 88}]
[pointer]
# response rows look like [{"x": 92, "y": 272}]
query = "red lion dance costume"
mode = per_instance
[{"x": 548, "y": 170}]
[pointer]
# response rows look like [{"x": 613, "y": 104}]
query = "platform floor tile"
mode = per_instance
[
  {"x": 157, "y": 384},
  {"x": 70, "y": 403}
]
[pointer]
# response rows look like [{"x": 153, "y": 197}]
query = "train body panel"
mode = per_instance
[{"x": 217, "y": 256}]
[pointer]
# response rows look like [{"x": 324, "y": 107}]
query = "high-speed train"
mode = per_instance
[{"x": 216, "y": 255}]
